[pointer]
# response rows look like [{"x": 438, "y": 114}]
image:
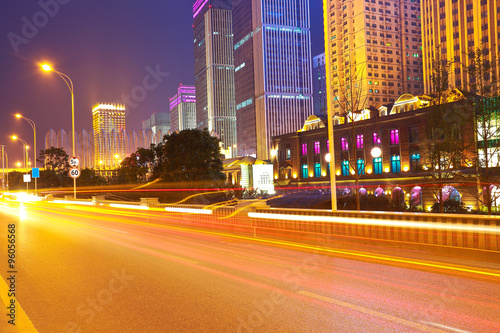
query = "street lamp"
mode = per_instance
[
  {"x": 69, "y": 83},
  {"x": 33, "y": 126},
  {"x": 25, "y": 149}
]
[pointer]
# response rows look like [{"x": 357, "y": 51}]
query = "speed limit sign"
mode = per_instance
[
  {"x": 74, "y": 162},
  {"x": 74, "y": 173}
]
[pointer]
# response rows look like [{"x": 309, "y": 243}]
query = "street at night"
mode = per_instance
[{"x": 81, "y": 270}]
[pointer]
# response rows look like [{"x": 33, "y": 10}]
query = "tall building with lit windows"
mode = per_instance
[
  {"x": 273, "y": 71},
  {"x": 376, "y": 46},
  {"x": 108, "y": 122},
  {"x": 183, "y": 109},
  {"x": 452, "y": 29},
  {"x": 214, "y": 69}
]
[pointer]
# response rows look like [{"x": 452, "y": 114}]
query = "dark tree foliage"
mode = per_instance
[
  {"x": 89, "y": 177},
  {"x": 192, "y": 155},
  {"x": 131, "y": 169},
  {"x": 54, "y": 159},
  {"x": 56, "y": 173}
]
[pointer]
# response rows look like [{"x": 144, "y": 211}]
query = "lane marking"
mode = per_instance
[
  {"x": 23, "y": 323},
  {"x": 378, "y": 314},
  {"x": 444, "y": 326},
  {"x": 429, "y": 264}
]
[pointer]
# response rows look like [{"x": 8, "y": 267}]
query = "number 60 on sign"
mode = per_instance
[{"x": 74, "y": 173}]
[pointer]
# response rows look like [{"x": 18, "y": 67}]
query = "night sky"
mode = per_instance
[{"x": 106, "y": 47}]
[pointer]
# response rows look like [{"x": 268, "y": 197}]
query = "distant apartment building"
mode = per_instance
[
  {"x": 109, "y": 135},
  {"x": 158, "y": 124},
  {"x": 453, "y": 29},
  {"x": 273, "y": 71},
  {"x": 183, "y": 109},
  {"x": 319, "y": 85},
  {"x": 214, "y": 69},
  {"x": 373, "y": 52}
]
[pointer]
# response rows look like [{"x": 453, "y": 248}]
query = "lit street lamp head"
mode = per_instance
[
  {"x": 46, "y": 67},
  {"x": 18, "y": 116},
  {"x": 14, "y": 137}
]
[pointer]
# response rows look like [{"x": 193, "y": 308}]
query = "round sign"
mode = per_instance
[
  {"x": 74, "y": 173},
  {"x": 74, "y": 162}
]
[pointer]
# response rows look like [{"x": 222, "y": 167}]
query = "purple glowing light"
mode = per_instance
[{"x": 198, "y": 6}]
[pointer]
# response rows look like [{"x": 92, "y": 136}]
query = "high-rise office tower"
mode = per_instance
[
  {"x": 376, "y": 46},
  {"x": 183, "y": 109},
  {"x": 108, "y": 122},
  {"x": 319, "y": 85},
  {"x": 214, "y": 69},
  {"x": 273, "y": 71},
  {"x": 452, "y": 29}
]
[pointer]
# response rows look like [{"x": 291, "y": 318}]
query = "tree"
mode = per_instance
[
  {"x": 445, "y": 148},
  {"x": 131, "y": 170},
  {"x": 192, "y": 155},
  {"x": 56, "y": 168},
  {"x": 89, "y": 177},
  {"x": 486, "y": 161},
  {"x": 54, "y": 159},
  {"x": 351, "y": 96}
]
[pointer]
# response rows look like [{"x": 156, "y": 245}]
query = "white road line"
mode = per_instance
[{"x": 444, "y": 326}]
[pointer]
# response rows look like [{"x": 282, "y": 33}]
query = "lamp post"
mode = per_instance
[
  {"x": 25, "y": 149},
  {"x": 33, "y": 126},
  {"x": 3, "y": 167},
  {"x": 69, "y": 83}
]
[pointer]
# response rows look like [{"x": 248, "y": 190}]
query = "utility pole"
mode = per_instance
[{"x": 3, "y": 167}]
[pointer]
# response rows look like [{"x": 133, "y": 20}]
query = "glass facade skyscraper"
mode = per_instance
[
  {"x": 319, "y": 85},
  {"x": 214, "y": 69},
  {"x": 273, "y": 71}
]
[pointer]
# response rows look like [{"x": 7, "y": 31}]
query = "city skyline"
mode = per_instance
[{"x": 107, "y": 53}]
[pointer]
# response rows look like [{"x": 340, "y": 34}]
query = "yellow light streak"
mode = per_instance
[{"x": 382, "y": 222}]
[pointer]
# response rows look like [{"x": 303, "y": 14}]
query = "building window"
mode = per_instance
[
  {"x": 361, "y": 166},
  {"x": 376, "y": 139},
  {"x": 317, "y": 170},
  {"x": 327, "y": 146},
  {"x": 345, "y": 145},
  {"x": 413, "y": 134},
  {"x": 316, "y": 148},
  {"x": 396, "y": 164},
  {"x": 345, "y": 168},
  {"x": 305, "y": 170},
  {"x": 359, "y": 141},
  {"x": 377, "y": 165},
  {"x": 304, "y": 149},
  {"x": 328, "y": 169},
  {"x": 415, "y": 162},
  {"x": 395, "y": 137},
  {"x": 288, "y": 154}
]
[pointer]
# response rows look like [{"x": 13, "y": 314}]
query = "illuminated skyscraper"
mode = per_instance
[
  {"x": 108, "y": 122},
  {"x": 273, "y": 72},
  {"x": 373, "y": 52},
  {"x": 183, "y": 109},
  {"x": 319, "y": 85},
  {"x": 214, "y": 69},
  {"x": 454, "y": 29}
]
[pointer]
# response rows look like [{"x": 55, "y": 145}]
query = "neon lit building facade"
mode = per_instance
[
  {"x": 214, "y": 69},
  {"x": 376, "y": 46},
  {"x": 183, "y": 109},
  {"x": 457, "y": 28},
  {"x": 273, "y": 71},
  {"x": 108, "y": 122}
]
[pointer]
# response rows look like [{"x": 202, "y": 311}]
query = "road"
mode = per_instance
[{"x": 78, "y": 270}]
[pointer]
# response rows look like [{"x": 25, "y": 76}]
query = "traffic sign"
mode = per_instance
[
  {"x": 27, "y": 178},
  {"x": 74, "y": 173},
  {"x": 74, "y": 162},
  {"x": 35, "y": 173}
]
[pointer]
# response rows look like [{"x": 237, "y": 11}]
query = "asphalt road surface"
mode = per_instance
[{"x": 78, "y": 270}]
